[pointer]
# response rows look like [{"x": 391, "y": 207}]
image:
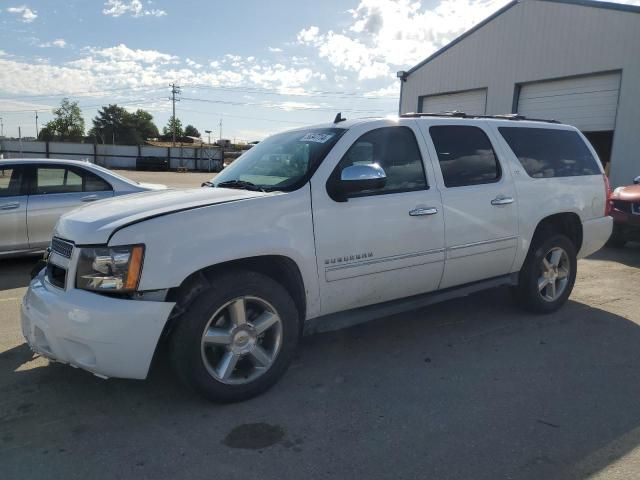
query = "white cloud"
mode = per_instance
[
  {"x": 193, "y": 63},
  {"x": 122, "y": 53},
  {"x": 116, "y": 8},
  {"x": 275, "y": 49},
  {"x": 25, "y": 13},
  {"x": 309, "y": 35},
  {"x": 60, "y": 43},
  {"x": 99, "y": 70},
  {"x": 384, "y": 35}
]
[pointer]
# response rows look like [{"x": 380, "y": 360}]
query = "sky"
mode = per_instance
[{"x": 259, "y": 66}]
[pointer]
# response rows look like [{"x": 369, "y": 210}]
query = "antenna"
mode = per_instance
[{"x": 339, "y": 118}]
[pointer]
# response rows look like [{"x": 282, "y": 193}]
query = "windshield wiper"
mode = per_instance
[{"x": 240, "y": 184}]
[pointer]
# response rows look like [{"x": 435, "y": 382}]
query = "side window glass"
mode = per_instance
[
  {"x": 396, "y": 150},
  {"x": 57, "y": 180},
  {"x": 546, "y": 152},
  {"x": 93, "y": 183},
  {"x": 10, "y": 181},
  {"x": 465, "y": 154}
]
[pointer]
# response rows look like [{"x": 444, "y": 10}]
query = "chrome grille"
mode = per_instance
[{"x": 61, "y": 247}]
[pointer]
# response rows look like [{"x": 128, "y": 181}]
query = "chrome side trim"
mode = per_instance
[
  {"x": 484, "y": 242},
  {"x": 386, "y": 259}
]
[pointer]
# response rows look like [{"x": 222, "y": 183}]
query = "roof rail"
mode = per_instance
[{"x": 457, "y": 114}]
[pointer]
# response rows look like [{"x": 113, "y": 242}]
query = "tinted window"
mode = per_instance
[
  {"x": 393, "y": 148},
  {"x": 10, "y": 181},
  {"x": 465, "y": 154},
  {"x": 545, "y": 152},
  {"x": 93, "y": 183},
  {"x": 68, "y": 180},
  {"x": 57, "y": 180}
]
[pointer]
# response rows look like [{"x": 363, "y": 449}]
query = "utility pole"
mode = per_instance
[
  {"x": 36, "y": 125},
  {"x": 175, "y": 90},
  {"x": 1, "y": 128},
  {"x": 220, "y": 130}
]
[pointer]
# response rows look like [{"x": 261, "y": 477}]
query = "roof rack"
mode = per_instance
[{"x": 457, "y": 114}]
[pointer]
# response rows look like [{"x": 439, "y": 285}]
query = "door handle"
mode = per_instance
[
  {"x": 9, "y": 206},
  {"x": 502, "y": 200},
  {"x": 419, "y": 211},
  {"x": 89, "y": 198}
]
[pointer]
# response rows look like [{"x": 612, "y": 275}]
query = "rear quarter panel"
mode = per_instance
[{"x": 538, "y": 198}]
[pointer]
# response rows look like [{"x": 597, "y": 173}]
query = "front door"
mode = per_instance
[
  {"x": 13, "y": 209},
  {"x": 384, "y": 244},
  {"x": 480, "y": 213},
  {"x": 56, "y": 190}
]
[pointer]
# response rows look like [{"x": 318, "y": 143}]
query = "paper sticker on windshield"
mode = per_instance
[{"x": 317, "y": 137}]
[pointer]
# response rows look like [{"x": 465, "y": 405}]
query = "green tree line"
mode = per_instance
[{"x": 112, "y": 125}]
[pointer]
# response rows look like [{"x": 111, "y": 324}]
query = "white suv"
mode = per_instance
[{"x": 313, "y": 229}]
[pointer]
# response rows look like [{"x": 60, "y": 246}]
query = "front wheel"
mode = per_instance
[
  {"x": 548, "y": 275},
  {"x": 237, "y": 338}
]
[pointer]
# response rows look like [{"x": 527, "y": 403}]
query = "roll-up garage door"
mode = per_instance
[
  {"x": 589, "y": 103},
  {"x": 471, "y": 102}
]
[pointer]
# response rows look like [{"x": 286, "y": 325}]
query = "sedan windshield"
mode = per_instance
[{"x": 281, "y": 162}]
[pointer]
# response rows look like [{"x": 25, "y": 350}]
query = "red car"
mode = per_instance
[{"x": 625, "y": 210}]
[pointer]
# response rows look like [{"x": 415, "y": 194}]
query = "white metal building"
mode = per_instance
[{"x": 576, "y": 61}]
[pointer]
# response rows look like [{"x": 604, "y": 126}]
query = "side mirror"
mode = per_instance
[
  {"x": 357, "y": 178},
  {"x": 636, "y": 181}
]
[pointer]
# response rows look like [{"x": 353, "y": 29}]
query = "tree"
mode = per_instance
[
  {"x": 109, "y": 124},
  {"x": 68, "y": 123},
  {"x": 144, "y": 125},
  {"x": 168, "y": 130},
  {"x": 114, "y": 124},
  {"x": 191, "y": 131}
]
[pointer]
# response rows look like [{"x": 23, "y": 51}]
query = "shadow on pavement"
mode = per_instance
[
  {"x": 628, "y": 255},
  {"x": 15, "y": 272},
  {"x": 471, "y": 388}
]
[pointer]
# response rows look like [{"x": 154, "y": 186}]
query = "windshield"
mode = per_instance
[{"x": 283, "y": 161}]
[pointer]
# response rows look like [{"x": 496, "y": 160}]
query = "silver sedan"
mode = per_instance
[{"x": 35, "y": 192}]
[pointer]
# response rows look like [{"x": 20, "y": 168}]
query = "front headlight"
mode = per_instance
[{"x": 110, "y": 269}]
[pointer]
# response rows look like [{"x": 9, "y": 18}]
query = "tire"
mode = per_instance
[
  {"x": 236, "y": 360},
  {"x": 552, "y": 295}
]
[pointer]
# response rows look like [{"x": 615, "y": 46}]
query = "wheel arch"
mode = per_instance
[
  {"x": 565, "y": 223},
  {"x": 279, "y": 268}
]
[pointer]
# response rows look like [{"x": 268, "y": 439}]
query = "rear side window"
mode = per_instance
[
  {"x": 93, "y": 183},
  {"x": 465, "y": 154},
  {"x": 10, "y": 181},
  {"x": 546, "y": 152}
]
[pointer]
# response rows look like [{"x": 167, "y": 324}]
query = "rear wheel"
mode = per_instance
[
  {"x": 237, "y": 338},
  {"x": 548, "y": 275}
]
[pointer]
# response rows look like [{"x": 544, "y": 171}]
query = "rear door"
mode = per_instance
[
  {"x": 56, "y": 189},
  {"x": 479, "y": 202},
  {"x": 13, "y": 208}
]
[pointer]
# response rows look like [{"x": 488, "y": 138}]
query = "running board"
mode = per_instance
[{"x": 356, "y": 316}]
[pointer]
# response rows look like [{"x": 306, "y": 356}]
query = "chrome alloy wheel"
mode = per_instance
[
  {"x": 554, "y": 274},
  {"x": 241, "y": 340}
]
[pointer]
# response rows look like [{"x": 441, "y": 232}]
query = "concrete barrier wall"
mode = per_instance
[{"x": 112, "y": 156}]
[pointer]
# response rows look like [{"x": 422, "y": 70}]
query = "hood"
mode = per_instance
[
  {"x": 94, "y": 223},
  {"x": 630, "y": 193}
]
